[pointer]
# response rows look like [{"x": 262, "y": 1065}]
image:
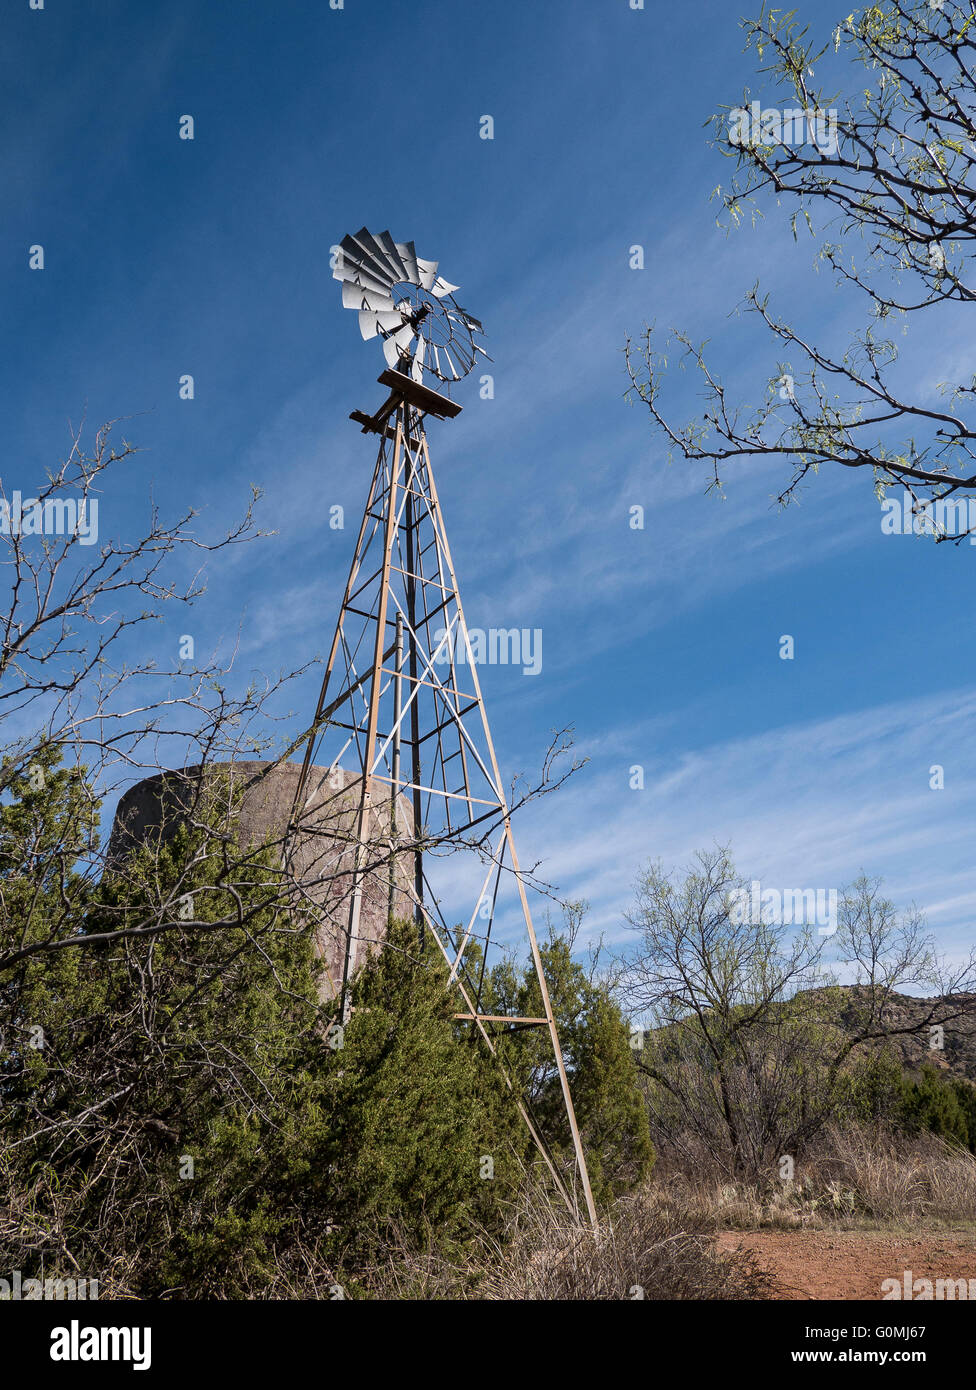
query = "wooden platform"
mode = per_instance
[{"x": 404, "y": 388}]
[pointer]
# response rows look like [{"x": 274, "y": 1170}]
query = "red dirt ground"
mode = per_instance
[{"x": 853, "y": 1264}]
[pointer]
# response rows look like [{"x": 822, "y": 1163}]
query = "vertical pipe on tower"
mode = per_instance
[
  {"x": 395, "y": 781},
  {"x": 411, "y": 596}
]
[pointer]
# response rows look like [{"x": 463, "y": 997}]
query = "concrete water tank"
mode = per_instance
[{"x": 255, "y": 801}]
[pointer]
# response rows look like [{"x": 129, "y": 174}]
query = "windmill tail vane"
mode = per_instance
[{"x": 397, "y": 711}]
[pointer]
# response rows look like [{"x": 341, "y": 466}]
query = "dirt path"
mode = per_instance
[{"x": 854, "y": 1264}]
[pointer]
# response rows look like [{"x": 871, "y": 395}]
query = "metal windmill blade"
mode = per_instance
[{"x": 401, "y": 299}]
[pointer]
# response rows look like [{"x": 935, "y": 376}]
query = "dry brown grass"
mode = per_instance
[
  {"x": 648, "y": 1247},
  {"x": 853, "y": 1177}
]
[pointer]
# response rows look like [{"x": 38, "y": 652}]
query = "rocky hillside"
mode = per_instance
[{"x": 958, "y": 1054}]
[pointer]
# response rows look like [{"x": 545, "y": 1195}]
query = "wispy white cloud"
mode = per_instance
[{"x": 804, "y": 805}]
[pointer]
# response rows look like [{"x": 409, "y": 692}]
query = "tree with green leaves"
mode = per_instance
[
  {"x": 145, "y": 1077},
  {"x": 596, "y": 1041},
  {"x": 939, "y": 1104},
  {"x": 183, "y": 1114}
]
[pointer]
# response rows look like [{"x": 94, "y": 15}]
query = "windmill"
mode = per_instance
[{"x": 401, "y": 702}]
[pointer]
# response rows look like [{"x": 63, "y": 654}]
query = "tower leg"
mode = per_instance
[
  {"x": 533, "y": 942},
  {"x": 362, "y": 833}
]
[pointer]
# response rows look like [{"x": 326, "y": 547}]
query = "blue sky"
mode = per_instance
[{"x": 661, "y": 646}]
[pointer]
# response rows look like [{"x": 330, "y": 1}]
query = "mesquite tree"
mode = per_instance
[
  {"x": 890, "y": 172},
  {"x": 747, "y": 1043}
]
